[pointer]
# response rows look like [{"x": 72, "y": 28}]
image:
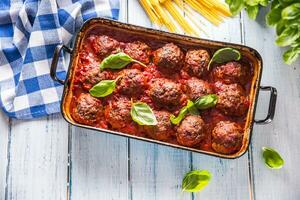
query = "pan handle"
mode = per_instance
[
  {"x": 55, "y": 61},
  {"x": 272, "y": 105}
]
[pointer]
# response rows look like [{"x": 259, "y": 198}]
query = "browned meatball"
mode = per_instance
[
  {"x": 165, "y": 92},
  {"x": 196, "y": 62},
  {"x": 163, "y": 130},
  {"x": 87, "y": 110},
  {"x": 104, "y": 45},
  {"x": 232, "y": 99},
  {"x": 94, "y": 76},
  {"x": 227, "y": 137},
  {"x": 168, "y": 58},
  {"x": 191, "y": 131},
  {"x": 231, "y": 72},
  {"x": 196, "y": 88},
  {"x": 138, "y": 51},
  {"x": 131, "y": 82},
  {"x": 117, "y": 113}
]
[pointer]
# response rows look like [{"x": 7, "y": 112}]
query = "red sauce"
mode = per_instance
[{"x": 89, "y": 60}]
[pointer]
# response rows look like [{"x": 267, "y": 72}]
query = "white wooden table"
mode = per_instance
[{"x": 34, "y": 154}]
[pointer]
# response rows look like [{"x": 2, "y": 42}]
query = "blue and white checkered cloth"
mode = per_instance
[{"x": 29, "y": 32}]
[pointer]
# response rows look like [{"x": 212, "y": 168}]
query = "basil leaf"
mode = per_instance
[
  {"x": 272, "y": 158},
  {"x": 274, "y": 16},
  {"x": 252, "y": 11},
  {"x": 264, "y": 2},
  {"x": 291, "y": 55},
  {"x": 118, "y": 61},
  {"x": 224, "y": 55},
  {"x": 288, "y": 36},
  {"x": 274, "y": 4},
  {"x": 235, "y": 6},
  {"x": 280, "y": 27},
  {"x": 103, "y": 88},
  {"x": 184, "y": 111},
  {"x": 195, "y": 180},
  {"x": 191, "y": 108},
  {"x": 206, "y": 101},
  {"x": 142, "y": 114},
  {"x": 291, "y": 12}
]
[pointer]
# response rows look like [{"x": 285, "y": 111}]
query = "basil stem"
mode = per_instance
[
  {"x": 183, "y": 112},
  {"x": 118, "y": 61}
]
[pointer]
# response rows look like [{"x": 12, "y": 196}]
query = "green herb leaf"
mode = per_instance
[
  {"x": 192, "y": 108},
  {"x": 291, "y": 55},
  {"x": 274, "y": 16},
  {"x": 195, "y": 180},
  {"x": 184, "y": 111},
  {"x": 103, "y": 88},
  {"x": 280, "y": 26},
  {"x": 224, "y": 55},
  {"x": 291, "y": 12},
  {"x": 142, "y": 114},
  {"x": 252, "y": 11},
  {"x": 118, "y": 61},
  {"x": 207, "y": 101},
  {"x": 272, "y": 158},
  {"x": 235, "y": 6},
  {"x": 288, "y": 36}
]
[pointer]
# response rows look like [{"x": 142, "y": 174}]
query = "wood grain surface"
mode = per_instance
[{"x": 34, "y": 154}]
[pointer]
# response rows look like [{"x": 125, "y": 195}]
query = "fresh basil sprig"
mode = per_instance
[
  {"x": 195, "y": 180},
  {"x": 142, "y": 114},
  {"x": 183, "y": 112},
  {"x": 224, "y": 55},
  {"x": 272, "y": 158},
  {"x": 284, "y": 16},
  {"x": 118, "y": 61},
  {"x": 103, "y": 88},
  {"x": 207, "y": 101}
]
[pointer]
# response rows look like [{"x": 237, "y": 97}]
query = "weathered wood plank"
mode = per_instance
[
  {"x": 99, "y": 165},
  {"x": 283, "y": 133},
  {"x": 99, "y": 161},
  {"x": 155, "y": 171},
  {"x": 4, "y": 135},
  {"x": 38, "y": 159}
]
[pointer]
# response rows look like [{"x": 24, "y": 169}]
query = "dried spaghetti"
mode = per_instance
[{"x": 169, "y": 13}]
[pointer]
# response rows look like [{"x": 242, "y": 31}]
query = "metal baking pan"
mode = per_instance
[{"x": 111, "y": 28}]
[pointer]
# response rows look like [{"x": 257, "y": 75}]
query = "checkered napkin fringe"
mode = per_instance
[{"x": 29, "y": 32}]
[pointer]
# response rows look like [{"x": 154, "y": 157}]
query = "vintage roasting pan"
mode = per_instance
[{"x": 114, "y": 28}]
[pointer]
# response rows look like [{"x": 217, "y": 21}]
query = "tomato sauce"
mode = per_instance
[{"x": 88, "y": 60}]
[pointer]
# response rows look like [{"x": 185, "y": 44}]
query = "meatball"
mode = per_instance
[
  {"x": 104, "y": 45},
  {"x": 87, "y": 110},
  {"x": 165, "y": 92},
  {"x": 117, "y": 113},
  {"x": 94, "y": 76},
  {"x": 131, "y": 82},
  {"x": 232, "y": 99},
  {"x": 231, "y": 72},
  {"x": 138, "y": 51},
  {"x": 191, "y": 131},
  {"x": 196, "y": 88},
  {"x": 227, "y": 137},
  {"x": 196, "y": 62},
  {"x": 168, "y": 58},
  {"x": 163, "y": 130}
]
